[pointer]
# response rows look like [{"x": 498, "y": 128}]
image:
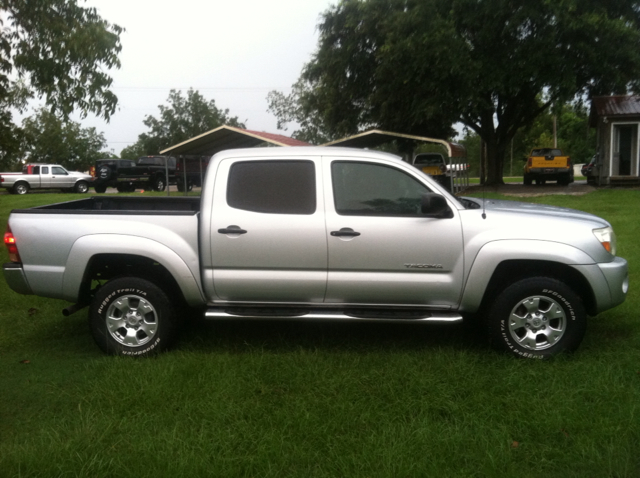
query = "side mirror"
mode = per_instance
[{"x": 435, "y": 205}]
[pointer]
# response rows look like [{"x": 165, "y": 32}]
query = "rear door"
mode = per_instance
[
  {"x": 44, "y": 178},
  {"x": 381, "y": 248},
  {"x": 268, "y": 239}
]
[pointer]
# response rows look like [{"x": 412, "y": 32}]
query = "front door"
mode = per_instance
[
  {"x": 60, "y": 178},
  {"x": 381, "y": 249},
  {"x": 268, "y": 241}
]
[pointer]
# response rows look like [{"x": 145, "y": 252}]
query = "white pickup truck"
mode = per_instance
[
  {"x": 319, "y": 233},
  {"x": 45, "y": 176}
]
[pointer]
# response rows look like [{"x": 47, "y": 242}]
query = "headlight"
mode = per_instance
[{"x": 607, "y": 238}]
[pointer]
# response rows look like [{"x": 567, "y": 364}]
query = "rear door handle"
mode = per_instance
[
  {"x": 232, "y": 230},
  {"x": 345, "y": 232}
]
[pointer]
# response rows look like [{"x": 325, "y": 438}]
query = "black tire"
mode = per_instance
[
  {"x": 104, "y": 173},
  {"x": 527, "y": 180},
  {"x": 564, "y": 180},
  {"x": 158, "y": 184},
  {"x": 180, "y": 185},
  {"x": 81, "y": 187},
  {"x": 132, "y": 316},
  {"x": 21, "y": 188},
  {"x": 537, "y": 318},
  {"x": 100, "y": 188}
]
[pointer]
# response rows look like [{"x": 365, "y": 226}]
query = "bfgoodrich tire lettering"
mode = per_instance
[
  {"x": 132, "y": 316},
  {"x": 537, "y": 318}
]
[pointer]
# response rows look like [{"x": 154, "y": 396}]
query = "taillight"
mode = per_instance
[{"x": 12, "y": 247}]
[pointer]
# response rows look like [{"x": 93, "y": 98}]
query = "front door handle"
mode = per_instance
[
  {"x": 345, "y": 232},
  {"x": 232, "y": 230}
]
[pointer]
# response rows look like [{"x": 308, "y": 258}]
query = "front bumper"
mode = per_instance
[
  {"x": 15, "y": 277},
  {"x": 617, "y": 275}
]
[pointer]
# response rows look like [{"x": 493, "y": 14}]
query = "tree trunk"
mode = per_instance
[{"x": 495, "y": 163}]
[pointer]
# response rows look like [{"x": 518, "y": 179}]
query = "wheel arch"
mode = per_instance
[
  {"x": 128, "y": 255},
  {"x": 111, "y": 266},
  {"x": 503, "y": 262},
  {"x": 511, "y": 271}
]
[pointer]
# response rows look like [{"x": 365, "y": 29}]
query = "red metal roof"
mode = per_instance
[
  {"x": 278, "y": 138},
  {"x": 617, "y": 105}
]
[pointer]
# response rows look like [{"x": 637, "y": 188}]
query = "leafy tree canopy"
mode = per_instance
[
  {"x": 183, "y": 119},
  {"x": 418, "y": 66},
  {"x": 51, "y": 139},
  {"x": 59, "y": 51}
]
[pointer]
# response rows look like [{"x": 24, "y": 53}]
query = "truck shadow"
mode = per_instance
[{"x": 279, "y": 335}]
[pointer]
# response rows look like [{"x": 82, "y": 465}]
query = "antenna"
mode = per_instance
[{"x": 484, "y": 214}]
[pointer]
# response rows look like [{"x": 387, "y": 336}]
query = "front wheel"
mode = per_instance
[
  {"x": 158, "y": 184},
  {"x": 132, "y": 316},
  {"x": 537, "y": 318},
  {"x": 81, "y": 187}
]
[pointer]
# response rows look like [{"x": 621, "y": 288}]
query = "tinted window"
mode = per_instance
[
  {"x": 276, "y": 187},
  {"x": 45, "y": 170},
  {"x": 55, "y": 170},
  {"x": 365, "y": 189}
]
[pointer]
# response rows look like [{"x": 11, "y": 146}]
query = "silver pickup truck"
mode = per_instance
[
  {"x": 319, "y": 233},
  {"x": 45, "y": 176}
]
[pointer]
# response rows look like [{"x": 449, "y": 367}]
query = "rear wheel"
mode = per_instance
[
  {"x": 537, "y": 318},
  {"x": 527, "y": 180},
  {"x": 21, "y": 188},
  {"x": 100, "y": 188},
  {"x": 132, "y": 316}
]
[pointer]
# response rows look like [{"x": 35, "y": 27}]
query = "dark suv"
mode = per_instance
[
  {"x": 107, "y": 173},
  {"x": 148, "y": 172}
]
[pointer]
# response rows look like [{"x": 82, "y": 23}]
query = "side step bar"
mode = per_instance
[{"x": 422, "y": 316}]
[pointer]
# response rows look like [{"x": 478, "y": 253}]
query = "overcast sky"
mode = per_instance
[{"x": 232, "y": 51}]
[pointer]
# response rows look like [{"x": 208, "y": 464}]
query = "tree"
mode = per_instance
[
  {"x": 418, "y": 66},
  {"x": 57, "y": 50},
  {"x": 183, "y": 119},
  {"x": 51, "y": 139}
]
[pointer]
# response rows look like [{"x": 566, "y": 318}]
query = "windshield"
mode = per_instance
[
  {"x": 546, "y": 152},
  {"x": 428, "y": 160}
]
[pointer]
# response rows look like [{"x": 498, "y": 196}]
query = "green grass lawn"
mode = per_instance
[{"x": 276, "y": 398}]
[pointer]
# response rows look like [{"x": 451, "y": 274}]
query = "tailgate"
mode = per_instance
[
  {"x": 431, "y": 170},
  {"x": 552, "y": 162}
]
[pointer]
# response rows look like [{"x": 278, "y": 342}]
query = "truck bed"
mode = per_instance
[{"x": 121, "y": 205}]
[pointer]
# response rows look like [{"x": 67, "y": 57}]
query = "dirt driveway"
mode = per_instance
[{"x": 577, "y": 188}]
